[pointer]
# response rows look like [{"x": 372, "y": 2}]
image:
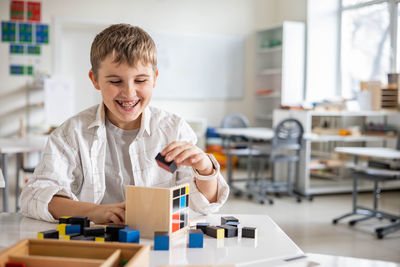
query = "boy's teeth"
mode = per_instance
[{"x": 127, "y": 104}]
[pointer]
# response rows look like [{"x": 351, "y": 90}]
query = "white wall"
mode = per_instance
[{"x": 210, "y": 17}]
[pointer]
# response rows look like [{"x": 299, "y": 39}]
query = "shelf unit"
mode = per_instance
[
  {"x": 278, "y": 75},
  {"x": 317, "y": 179}
]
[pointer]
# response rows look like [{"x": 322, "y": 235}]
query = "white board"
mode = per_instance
[{"x": 199, "y": 67}]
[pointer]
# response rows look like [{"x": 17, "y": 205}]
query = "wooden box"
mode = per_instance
[
  {"x": 151, "y": 209},
  {"x": 53, "y": 252}
]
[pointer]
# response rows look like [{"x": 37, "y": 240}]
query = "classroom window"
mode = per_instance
[{"x": 365, "y": 48}]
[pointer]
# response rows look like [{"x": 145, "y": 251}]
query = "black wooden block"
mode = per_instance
[
  {"x": 83, "y": 238},
  {"x": 168, "y": 166},
  {"x": 202, "y": 226},
  {"x": 230, "y": 231},
  {"x": 93, "y": 231},
  {"x": 226, "y": 219},
  {"x": 113, "y": 230},
  {"x": 250, "y": 232},
  {"x": 49, "y": 234}
]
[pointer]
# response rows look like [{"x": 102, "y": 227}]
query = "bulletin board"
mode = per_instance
[{"x": 199, "y": 67}]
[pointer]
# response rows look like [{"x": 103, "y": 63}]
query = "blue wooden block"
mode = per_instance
[
  {"x": 161, "y": 241},
  {"x": 129, "y": 235},
  {"x": 72, "y": 229},
  {"x": 196, "y": 238}
]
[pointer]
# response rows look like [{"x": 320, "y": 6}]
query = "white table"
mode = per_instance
[
  {"x": 272, "y": 247},
  {"x": 255, "y": 133},
  {"x": 17, "y": 145},
  {"x": 373, "y": 152}
]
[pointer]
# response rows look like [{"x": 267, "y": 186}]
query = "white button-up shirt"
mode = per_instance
[{"x": 74, "y": 160}]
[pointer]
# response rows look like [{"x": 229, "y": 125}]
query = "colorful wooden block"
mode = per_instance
[
  {"x": 215, "y": 232},
  {"x": 250, "y": 232},
  {"x": 202, "y": 226},
  {"x": 169, "y": 166},
  {"x": 48, "y": 234},
  {"x": 226, "y": 219},
  {"x": 196, "y": 238},
  {"x": 61, "y": 228},
  {"x": 113, "y": 230},
  {"x": 129, "y": 235},
  {"x": 69, "y": 236},
  {"x": 161, "y": 240},
  {"x": 152, "y": 209},
  {"x": 230, "y": 231},
  {"x": 65, "y": 229},
  {"x": 93, "y": 231},
  {"x": 103, "y": 238}
]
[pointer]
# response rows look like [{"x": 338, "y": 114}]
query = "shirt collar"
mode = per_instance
[{"x": 144, "y": 123}]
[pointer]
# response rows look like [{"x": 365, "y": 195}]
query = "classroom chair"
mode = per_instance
[{"x": 285, "y": 148}]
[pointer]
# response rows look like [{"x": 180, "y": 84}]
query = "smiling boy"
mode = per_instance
[{"x": 89, "y": 159}]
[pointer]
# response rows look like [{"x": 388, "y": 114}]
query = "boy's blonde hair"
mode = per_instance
[{"x": 129, "y": 44}]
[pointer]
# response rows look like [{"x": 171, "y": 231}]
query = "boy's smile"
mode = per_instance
[{"x": 126, "y": 90}]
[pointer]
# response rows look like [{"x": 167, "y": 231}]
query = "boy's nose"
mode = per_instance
[{"x": 130, "y": 91}]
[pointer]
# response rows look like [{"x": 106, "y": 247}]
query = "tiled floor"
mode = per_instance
[{"x": 309, "y": 224}]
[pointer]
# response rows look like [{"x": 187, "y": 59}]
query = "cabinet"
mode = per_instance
[
  {"x": 318, "y": 172},
  {"x": 279, "y": 69}
]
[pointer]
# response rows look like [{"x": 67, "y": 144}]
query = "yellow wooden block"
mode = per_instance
[
  {"x": 66, "y": 237},
  {"x": 40, "y": 236},
  {"x": 220, "y": 233},
  {"x": 187, "y": 189},
  {"x": 61, "y": 228},
  {"x": 99, "y": 239}
]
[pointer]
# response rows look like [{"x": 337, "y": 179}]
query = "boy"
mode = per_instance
[{"x": 92, "y": 156}]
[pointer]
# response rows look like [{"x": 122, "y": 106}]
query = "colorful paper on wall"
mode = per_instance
[
  {"x": 25, "y": 32},
  {"x": 17, "y": 10},
  {"x": 16, "y": 70},
  {"x": 42, "y": 34},
  {"x": 16, "y": 49},
  {"x": 8, "y": 31},
  {"x": 33, "y": 50},
  {"x": 33, "y": 11}
]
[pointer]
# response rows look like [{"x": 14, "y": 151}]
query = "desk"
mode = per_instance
[
  {"x": 17, "y": 145},
  {"x": 271, "y": 248},
  {"x": 375, "y": 152}
]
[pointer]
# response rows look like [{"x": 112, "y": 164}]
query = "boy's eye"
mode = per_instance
[
  {"x": 140, "y": 81},
  {"x": 115, "y": 82}
]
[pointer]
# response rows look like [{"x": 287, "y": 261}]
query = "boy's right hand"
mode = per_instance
[{"x": 108, "y": 213}]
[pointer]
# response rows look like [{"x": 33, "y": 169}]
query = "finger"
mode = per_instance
[
  {"x": 186, "y": 155},
  {"x": 121, "y": 205},
  {"x": 115, "y": 219},
  {"x": 170, "y": 147},
  {"x": 171, "y": 155}
]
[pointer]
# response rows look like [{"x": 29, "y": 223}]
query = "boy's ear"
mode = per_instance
[
  {"x": 93, "y": 79},
  {"x": 155, "y": 79}
]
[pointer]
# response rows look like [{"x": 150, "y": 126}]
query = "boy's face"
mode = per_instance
[{"x": 125, "y": 90}]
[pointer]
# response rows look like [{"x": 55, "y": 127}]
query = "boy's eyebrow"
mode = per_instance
[{"x": 117, "y": 76}]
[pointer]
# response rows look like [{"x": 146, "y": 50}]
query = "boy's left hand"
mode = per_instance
[{"x": 184, "y": 153}]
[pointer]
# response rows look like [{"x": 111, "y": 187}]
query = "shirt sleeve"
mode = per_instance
[
  {"x": 185, "y": 174},
  {"x": 53, "y": 176}
]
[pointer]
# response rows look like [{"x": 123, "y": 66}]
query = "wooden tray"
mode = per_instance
[{"x": 48, "y": 252}]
